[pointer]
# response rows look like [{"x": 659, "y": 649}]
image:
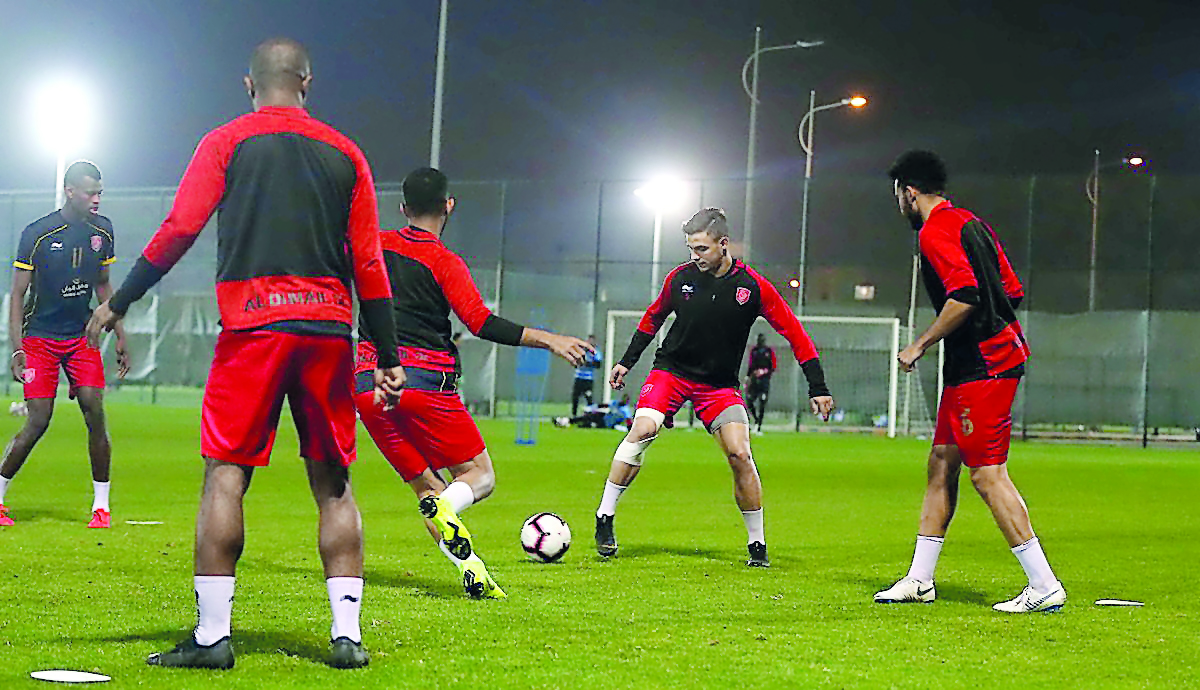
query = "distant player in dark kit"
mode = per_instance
[
  {"x": 975, "y": 292},
  {"x": 297, "y": 226},
  {"x": 760, "y": 367},
  {"x": 716, "y": 300},
  {"x": 585, "y": 379},
  {"x": 430, "y": 429},
  {"x": 61, "y": 260}
]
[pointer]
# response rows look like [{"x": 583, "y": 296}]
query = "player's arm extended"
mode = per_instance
[
  {"x": 455, "y": 280},
  {"x": 781, "y": 317},
  {"x": 199, "y": 192},
  {"x": 656, "y": 314},
  {"x": 16, "y": 319},
  {"x": 953, "y": 315}
]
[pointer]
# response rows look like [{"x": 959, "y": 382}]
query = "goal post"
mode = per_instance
[{"x": 858, "y": 355}]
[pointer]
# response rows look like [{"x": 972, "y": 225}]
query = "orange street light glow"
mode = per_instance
[{"x": 857, "y": 101}]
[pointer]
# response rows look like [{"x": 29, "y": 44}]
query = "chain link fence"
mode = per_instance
[{"x": 1112, "y": 329}]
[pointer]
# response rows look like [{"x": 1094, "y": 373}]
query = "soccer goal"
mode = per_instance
[{"x": 857, "y": 353}]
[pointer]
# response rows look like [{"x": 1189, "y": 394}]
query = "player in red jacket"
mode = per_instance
[
  {"x": 975, "y": 292},
  {"x": 297, "y": 227},
  {"x": 430, "y": 429}
]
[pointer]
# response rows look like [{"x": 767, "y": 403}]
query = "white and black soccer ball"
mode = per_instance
[{"x": 545, "y": 537}]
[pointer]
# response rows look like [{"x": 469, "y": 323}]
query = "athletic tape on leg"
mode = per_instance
[{"x": 631, "y": 453}]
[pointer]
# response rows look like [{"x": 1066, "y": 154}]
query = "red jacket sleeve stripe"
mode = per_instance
[
  {"x": 199, "y": 192},
  {"x": 658, "y": 311},
  {"x": 455, "y": 280}
]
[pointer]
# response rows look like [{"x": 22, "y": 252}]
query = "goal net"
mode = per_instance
[{"x": 858, "y": 355}]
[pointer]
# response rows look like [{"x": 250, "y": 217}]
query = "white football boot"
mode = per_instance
[
  {"x": 907, "y": 590},
  {"x": 1032, "y": 601}
]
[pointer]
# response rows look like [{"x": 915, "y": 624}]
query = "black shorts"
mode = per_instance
[{"x": 758, "y": 388}]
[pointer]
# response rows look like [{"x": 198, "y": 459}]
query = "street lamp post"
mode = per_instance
[
  {"x": 750, "y": 86},
  {"x": 662, "y": 194},
  {"x": 439, "y": 77},
  {"x": 1092, "y": 188},
  {"x": 805, "y": 134}
]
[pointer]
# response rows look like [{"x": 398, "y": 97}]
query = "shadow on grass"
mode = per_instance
[
  {"x": 945, "y": 591},
  {"x": 443, "y": 587},
  {"x": 449, "y": 586},
  {"x": 44, "y": 514},
  {"x": 641, "y": 550},
  {"x": 298, "y": 645}
]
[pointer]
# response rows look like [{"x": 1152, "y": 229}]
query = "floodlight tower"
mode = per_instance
[{"x": 662, "y": 194}]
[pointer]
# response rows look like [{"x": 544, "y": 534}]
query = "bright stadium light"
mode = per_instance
[
  {"x": 661, "y": 194},
  {"x": 63, "y": 116}
]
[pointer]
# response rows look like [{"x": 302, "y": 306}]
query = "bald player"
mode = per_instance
[{"x": 298, "y": 225}]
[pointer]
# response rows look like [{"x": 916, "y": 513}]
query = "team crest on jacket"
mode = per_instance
[
  {"x": 96, "y": 243},
  {"x": 742, "y": 295}
]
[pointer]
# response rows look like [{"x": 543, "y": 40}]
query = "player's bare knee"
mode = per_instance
[
  {"x": 986, "y": 480},
  {"x": 36, "y": 425},
  {"x": 740, "y": 458},
  {"x": 483, "y": 484}
]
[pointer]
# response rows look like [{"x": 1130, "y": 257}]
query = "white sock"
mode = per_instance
[
  {"x": 460, "y": 496},
  {"x": 1037, "y": 568},
  {"x": 214, "y": 602},
  {"x": 345, "y": 598},
  {"x": 100, "y": 490},
  {"x": 754, "y": 526},
  {"x": 453, "y": 559},
  {"x": 925, "y": 557},
  {"x": 608, "y": 502},
  {"x": 3, "y": 487}
]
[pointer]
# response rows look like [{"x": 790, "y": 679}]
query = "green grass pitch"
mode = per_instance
[{"x": 676, "y": 608}]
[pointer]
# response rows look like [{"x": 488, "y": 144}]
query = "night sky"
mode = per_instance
[{"x": 623, "y": 90}]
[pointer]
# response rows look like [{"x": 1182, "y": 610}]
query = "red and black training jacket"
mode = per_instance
[
  {"x": 297, "y": 223},
  {"x": 961, "y": 259},
  {"x": 428, "y": 282},
  {"x": 713, "y": 318}
]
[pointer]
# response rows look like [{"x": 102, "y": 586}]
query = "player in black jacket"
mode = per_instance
[{"x": 716, "y": 300}]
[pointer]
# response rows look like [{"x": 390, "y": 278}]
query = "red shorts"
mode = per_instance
[
  {"x": 252, "y": 372},
  {"x": 44, "y": 357},
  {"x": 977, "y": 417},
  {"x": 425, "y": 430},
  {"x": 666, "y": 392}
]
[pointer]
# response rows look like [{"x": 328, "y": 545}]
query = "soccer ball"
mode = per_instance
[{"x": 545, "y": 537}]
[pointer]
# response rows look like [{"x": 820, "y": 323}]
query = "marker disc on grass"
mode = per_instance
[
  {"x": 61, "y": 676},
  {"x": 1118, "y": 602}
]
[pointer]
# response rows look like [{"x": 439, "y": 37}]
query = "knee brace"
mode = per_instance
[{"x": 631, "y": 452}]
